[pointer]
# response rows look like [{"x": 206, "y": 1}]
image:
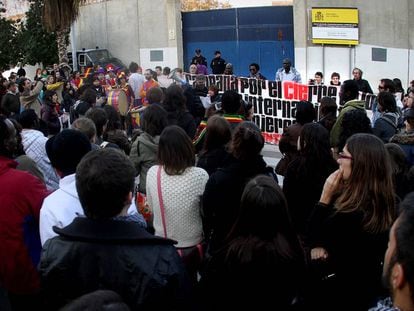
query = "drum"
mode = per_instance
[{"x": 118, "y": 99}]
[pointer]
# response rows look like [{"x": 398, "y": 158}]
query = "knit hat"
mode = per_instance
[{"x": 66, "y": 149}]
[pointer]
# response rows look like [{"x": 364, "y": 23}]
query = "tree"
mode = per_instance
[
  {"x": 38, "y": 45},
  {"x": 8, "y": 41},
  {"x": 197, "y": 5},
  {"x": 58, "y": 16}
]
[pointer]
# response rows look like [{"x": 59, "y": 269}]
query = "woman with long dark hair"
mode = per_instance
[
  {"x": 178, "y": 114},
  {"x": 306, "y": 175},
  {"x": 350, "y": 224},
  {"x": 49, "y": 113},
  {"x": 305, "y": 113},
  {"x": 214, "y": 153},
  {"x": 262, "y": 265}
]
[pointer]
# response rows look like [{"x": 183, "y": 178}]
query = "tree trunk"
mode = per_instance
[
  {"x": 61, "y": 38},
  {"x": 62, "y": 45}
]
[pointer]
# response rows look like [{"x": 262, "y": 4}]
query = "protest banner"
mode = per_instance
[{"x": 274, "y": 102}]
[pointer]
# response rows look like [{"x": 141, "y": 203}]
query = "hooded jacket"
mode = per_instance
[
  {"x": 21, "y": 196},
  {"x": 386, "y": 126},
  {"x": 144, "y": 155},
  {"x": 337, "y": 127}
]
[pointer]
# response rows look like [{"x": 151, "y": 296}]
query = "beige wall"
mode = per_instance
[
  {"x": 130, "y": 29},
  {"x": 382, "y": 24}
]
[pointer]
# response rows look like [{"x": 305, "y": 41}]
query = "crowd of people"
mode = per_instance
[{"x": 167, "y": 202}]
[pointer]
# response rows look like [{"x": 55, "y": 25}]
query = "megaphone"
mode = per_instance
[{"x": 174, "y": 76}]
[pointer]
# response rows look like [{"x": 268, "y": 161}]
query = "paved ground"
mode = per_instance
[{"x": 272, "y": 155}]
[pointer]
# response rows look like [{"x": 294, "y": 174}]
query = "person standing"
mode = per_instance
[
  {"x": 10, "y": 103},
  {"x": 199, "y": 58},
  {"x": 148, "y": 84},
  {"x": 288, "y": 73},
  {"x": 136, "y": 80},
  {"x": 218, "y": 64},
  {"x": 363, "y": 85},
  {"x": 107, "y": 249},
  {"x": 21, "y": 196},
  {"x": 254, "y": 72},
  {"x": 398, "y": 260}
]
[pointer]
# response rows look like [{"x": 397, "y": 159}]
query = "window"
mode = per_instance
[
  {"x": 156, "y": 55},
  {"x": 379, "y": 55}
]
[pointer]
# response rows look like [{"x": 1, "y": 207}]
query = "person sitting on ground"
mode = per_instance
[{"x": 86, "y": 254}]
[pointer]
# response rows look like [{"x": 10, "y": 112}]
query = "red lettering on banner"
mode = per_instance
[{"x": 295, "y": 91}]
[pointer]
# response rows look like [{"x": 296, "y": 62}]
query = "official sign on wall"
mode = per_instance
[{"x": 335, "y": 26}]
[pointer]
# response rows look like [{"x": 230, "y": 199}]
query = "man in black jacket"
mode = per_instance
[
  {"x": 218, "y": 64},
  {"x": 199, "y": 58},
  {"x": 363, "y": 85},
  {"x": 10, "y": 103},
  {"x": 107, "y": 249}
]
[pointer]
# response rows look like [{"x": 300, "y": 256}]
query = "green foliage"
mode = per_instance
[
  {"x": 37, "y": 44},
  {"x": 8, "y": 42}
]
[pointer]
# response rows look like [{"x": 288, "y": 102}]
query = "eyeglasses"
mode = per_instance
[
  {"x": 381, "y": 87},
  {"x": 252, "y": 69},
  {"x": 342, "y": 155}
]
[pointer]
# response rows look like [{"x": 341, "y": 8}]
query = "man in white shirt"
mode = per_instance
[
  {"x": 65, "y": 151},
  {"x": 136, "y": 80},
  {"x": 288, "y": 73}
]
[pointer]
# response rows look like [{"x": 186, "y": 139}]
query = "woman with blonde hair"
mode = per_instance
[{"x": 350, "y": 224}]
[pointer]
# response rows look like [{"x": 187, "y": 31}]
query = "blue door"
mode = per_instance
[{"x": 262, "y": 35}]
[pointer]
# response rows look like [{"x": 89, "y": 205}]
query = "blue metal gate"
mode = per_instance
[{"x": 262, "y": 35}]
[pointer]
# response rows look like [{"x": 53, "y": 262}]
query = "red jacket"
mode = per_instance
[{"x": 21, "y": 197}]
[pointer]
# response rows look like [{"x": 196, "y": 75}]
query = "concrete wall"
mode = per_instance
[
  {"x": 381, "y": 24},
  {"x": 130, "y": 29}
]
